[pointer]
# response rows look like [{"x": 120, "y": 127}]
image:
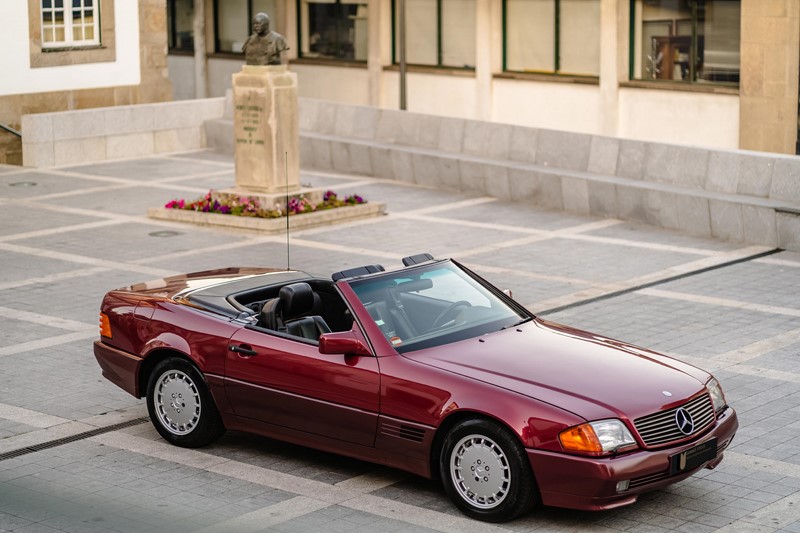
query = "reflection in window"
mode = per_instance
[
  {"x": 334, "y": 29},
  {"x": 440, "y": 33},
  {"x": 687, "y": 40},
  {"x": 68, "y": 23},
  {"x": 552, "y": 36},
  {"x": 180, "y": 14}
]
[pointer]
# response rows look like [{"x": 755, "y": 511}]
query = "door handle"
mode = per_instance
[{"x": 243, "y": 350}]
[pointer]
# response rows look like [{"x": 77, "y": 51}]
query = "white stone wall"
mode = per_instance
[{"x": 19, "y": 78}]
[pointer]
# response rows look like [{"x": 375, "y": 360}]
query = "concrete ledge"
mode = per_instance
[
  {"x": 681, "y": 206},
  {"x": 92, "y": 135},
  {"x": 270, "y": 225}
]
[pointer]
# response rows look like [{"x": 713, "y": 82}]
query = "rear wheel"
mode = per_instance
[
  {"x": 485, "y": 471},
  {"x": 180, "y": 406}
]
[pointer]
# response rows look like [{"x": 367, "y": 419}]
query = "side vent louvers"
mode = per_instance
[{"x": 402, "y": 431}]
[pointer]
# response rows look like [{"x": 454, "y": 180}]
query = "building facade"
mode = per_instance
[
  {"x": 719, "y": 73},
  {"x": 62, "y": 55}
]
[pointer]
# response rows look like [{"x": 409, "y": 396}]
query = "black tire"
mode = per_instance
[
  {"x": 486, "y": 472},
  {"x": 180, "y": 406}
]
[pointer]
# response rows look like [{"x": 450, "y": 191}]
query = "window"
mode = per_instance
[
  {"x": 333, "y": 29},
  {"x": 693, "y": 41},
  {"x": 71, "y": 32},
  {"x": 180, "y": 14},
  {"x": 552, "y": 36},
  {"x": 439, "y": 33},
  {"x": 67, "y": 23}
]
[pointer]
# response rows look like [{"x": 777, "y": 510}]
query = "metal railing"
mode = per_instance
[{"x": 10, "y": 130}]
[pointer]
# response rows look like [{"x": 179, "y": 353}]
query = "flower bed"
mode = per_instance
[{"x": 232, "y": 204}]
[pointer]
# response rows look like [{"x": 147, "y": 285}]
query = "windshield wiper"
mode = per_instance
[{"x": 526, "y": 319}]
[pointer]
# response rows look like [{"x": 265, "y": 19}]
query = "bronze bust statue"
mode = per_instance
[{"x": 264, "y": 47}]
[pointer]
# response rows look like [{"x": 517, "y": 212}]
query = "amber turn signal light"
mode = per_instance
[
  {"x": 581, "y": 439},
  {"x": 105, "y": 326}
]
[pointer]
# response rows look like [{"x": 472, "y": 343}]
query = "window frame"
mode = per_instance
[
  {"x": 104, "y": 50},
  {"x": 439, "y": 43},
  {"x": 556, "y": 72}
]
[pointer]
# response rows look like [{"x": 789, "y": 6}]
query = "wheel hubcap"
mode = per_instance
[
  {"x": 480, "y": 471},
  {"x": 177, "y": 402}
]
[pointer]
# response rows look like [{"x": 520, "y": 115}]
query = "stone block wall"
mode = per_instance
[{"x": 70, "y": 137}]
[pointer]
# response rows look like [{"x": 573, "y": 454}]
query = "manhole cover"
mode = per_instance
[
  {"x": 165, "y": 233},
  {"x": 23, "y": 184}
]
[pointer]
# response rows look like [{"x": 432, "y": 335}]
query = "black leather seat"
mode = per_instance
[{"x": 290, "y": 312}]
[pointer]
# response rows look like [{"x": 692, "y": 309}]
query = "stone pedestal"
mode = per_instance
[{"x": 266, "y": 134}]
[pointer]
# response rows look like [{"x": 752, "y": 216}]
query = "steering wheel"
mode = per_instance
[{"x": 440, "y": 320}]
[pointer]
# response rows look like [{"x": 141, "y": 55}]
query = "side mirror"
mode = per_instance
[{"x": 342, "y": 343}]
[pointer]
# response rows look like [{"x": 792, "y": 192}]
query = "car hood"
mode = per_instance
[{"x": 591, "y": 376}]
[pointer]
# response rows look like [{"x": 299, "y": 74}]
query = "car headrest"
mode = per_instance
[{"x": 297, "y": 299}]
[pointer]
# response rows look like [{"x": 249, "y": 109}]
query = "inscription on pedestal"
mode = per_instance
[{"x": 251, "y": 121}]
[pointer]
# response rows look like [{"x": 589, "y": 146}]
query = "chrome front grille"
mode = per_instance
[{"x": 662, "y": 428}]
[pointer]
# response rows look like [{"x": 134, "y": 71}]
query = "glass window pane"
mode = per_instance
[
  {"x": 88, "y": 33},
  {"x": 182, "y": 28},
  {"x": 690, "y": 41},
  {"x": 336, "y": 30},
  {"x": 421, "y": 41},
  {"x": 719, "y": 54},
  {"x": 458, "y": 33},
  {"x": 233, "y": 28},
  {"x": 47, "y": 4},
  {"x": 530, "y": 35},
  {"x": 268, "y": 7},
  {"x": 579, "y": 37},
  {"x": 664, "y": 52}
]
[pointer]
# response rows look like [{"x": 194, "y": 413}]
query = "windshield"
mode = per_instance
[{"x": 432, "y": 305}]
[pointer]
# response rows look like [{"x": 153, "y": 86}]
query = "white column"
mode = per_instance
[
  {"x": 376, "y": 11},
  {"x": 483, "y": 58},
  {"x": 200, "y": 64},
  {"x": 612, "y": 46},
  {"x": 289, "y": 9}
]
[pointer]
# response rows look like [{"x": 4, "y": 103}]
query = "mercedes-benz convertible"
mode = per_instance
[{"x": 427, "y": 368}]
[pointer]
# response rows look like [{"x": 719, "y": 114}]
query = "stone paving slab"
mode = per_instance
[
  {"x": 42, "y": 183},
  {"x": 147, "y": 169},
  {"x": 88, "y": 236}
]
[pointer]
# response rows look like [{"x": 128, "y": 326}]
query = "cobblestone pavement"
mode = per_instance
[{"x": 68, "y": 235}]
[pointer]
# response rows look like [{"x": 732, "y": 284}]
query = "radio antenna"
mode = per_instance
[{"x": 286, "y": 172}]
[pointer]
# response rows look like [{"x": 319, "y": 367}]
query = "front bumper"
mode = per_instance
[
  {"x": 119, "y": 367},
  {"x": 590, "y": 483}
]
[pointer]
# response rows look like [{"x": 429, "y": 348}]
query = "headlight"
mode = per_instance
[
  {"x": 717, "y": 396},
  {"x": 597, "y": 438}
]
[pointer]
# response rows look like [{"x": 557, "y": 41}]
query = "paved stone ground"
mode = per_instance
[{"x": 80, "y": 231}]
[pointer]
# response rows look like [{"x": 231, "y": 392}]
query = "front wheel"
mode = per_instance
[
  {"x": 180, "y": 406},
  {"x": 485, "y": 471}
]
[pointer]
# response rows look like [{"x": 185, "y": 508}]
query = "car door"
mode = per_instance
[{"x": 285, "y": 381}]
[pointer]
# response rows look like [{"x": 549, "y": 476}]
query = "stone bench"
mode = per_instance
[{"x": 739, "y": 196}]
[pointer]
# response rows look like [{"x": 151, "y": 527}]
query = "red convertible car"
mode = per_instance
[{"x": 428, "y": 368}]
